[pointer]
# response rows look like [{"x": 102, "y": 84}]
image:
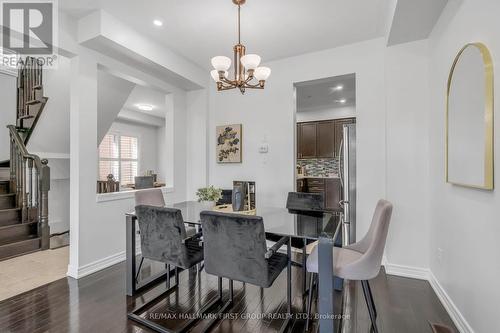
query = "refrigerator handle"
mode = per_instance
[{"x": 341, "y": 174}]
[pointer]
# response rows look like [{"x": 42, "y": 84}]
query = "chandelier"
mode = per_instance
[{"x": 246, "y": 66}]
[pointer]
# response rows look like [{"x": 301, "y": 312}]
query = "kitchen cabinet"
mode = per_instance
[
  {"x": 331, "y": 189},
  {"x": 333, "y": 194},
  {"x": 320, "y": 139},
  {"x": 325, "y": 139},
  {"x": 308, "y": 133}
]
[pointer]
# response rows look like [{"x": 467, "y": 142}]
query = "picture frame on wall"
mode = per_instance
[{"x": 229, "y": 143}]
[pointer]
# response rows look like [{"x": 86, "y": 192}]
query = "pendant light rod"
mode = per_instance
[{"x": 239, "y": 25}]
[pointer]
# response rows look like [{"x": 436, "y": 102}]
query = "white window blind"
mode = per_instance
[{"x": 118, "y": 155}]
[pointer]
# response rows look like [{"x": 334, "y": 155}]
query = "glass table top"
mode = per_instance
[{"x": 277, "y": 220}]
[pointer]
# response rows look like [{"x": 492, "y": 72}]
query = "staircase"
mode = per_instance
[{"x": 25, "y": 178}]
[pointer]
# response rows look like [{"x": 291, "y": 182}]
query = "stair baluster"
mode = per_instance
[{"x": 26, "y": 164}]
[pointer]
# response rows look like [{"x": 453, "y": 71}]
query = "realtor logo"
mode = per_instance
[{"x": 29, "y": 28}]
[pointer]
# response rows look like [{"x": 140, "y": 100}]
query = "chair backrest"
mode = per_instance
[
  {"x": 235, "y": 246},
  {"x": 305, "y": 202},
  {"x": 162, "y": 232},
  {"x": 227, "y": 197},
  {"x": 143, "y": 182},
  {"x": 373, "y": 244},
  {"x": 150, "y": 197}
]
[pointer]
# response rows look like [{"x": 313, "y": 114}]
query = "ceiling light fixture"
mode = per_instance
[
  {"x": 339, "y": 87},
  {"x": 158, "y": 23},
  {"x": 145, "y": 107},
  {"x": 246, "y": 66},
  {"x": 342, "y": 101}
]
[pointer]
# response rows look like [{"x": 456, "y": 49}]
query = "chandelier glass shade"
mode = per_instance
[{"x": 247, "y": 73}]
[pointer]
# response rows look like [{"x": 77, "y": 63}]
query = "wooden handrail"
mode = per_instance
[{"x": 32, "y": 194}]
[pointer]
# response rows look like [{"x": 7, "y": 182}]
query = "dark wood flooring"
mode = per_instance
[{"x": 97, "y": 303}]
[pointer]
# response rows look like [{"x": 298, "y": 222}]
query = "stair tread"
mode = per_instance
[
  {"x": 10, "y": 209},
  {"x": 7, "y": 194},
  {"x": 26, "y": 117},
  {"x": 26, "y": 238},
  {"x": 16, "y": 225},
  {"x": 33, "y": 101}
]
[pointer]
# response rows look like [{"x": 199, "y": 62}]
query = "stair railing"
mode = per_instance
[{"x": 30, "y": 177}]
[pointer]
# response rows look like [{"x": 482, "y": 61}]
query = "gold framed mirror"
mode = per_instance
[{"x": 469, "y": 119}]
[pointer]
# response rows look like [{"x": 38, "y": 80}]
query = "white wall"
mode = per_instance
[
  {"x": 407, "y": 98},
  {"x": 149, "y": 144},
  {"x": 51, "y": 134},
  {"x": 8, "y": 113},
  {"x": 269, "y": 115},
  {"x": 464, "y": 222},
  {"x": 326, "y": 113},
  {"x": 197, "y": 141},
  {"x": 112, "y": 93}
]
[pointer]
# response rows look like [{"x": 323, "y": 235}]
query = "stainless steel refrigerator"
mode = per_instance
[{"x": 347, "y": 170}]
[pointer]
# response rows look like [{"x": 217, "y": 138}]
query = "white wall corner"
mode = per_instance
[
  {"x": 419, "y": 273},
  {"x": 455, "y": 314},
  {"x": 95, "y": 266}
]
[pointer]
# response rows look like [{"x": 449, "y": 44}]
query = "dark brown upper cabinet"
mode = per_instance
[
  {"x": 326, "y": 139},
  {"x": 320, "y": 139},
  {"x": 307, "y": 145}
]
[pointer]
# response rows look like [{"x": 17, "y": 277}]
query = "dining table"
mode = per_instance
[{"x": 301, "y": 226}]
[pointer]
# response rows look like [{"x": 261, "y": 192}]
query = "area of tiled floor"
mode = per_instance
[{"x": 33, "y": 270}]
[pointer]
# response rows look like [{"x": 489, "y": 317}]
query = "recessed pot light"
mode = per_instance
[
  {"x": 336, "y": 88},
  {"x": 158, "y": 23},
  {"x": 145, "y": 107},
  {"x": 342, "y": 101}
]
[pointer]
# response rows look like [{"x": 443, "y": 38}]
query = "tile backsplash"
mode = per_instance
[{"x": 320, "y": 167}]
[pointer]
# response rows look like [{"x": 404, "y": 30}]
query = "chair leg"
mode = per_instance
[
  {"x": 371, "y": 298},
  {"x": 139, "y": 270},
  {"x": 304, "y": 268},
  {"x": 287, "y": 321},
  {"x": 309, "y": 300},
  {"x": 167, "y": 267},
  {"x": 176, "y": 275},
  {"x": 369, "y": 303},
  {"x": 216, "y": 316}
]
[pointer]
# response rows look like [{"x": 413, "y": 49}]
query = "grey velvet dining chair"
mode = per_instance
[
  {"x": 164, "y": 239},
  {"x": 360, "y": 261},
  {"x": 235, "y": 248},
  {"x": 150, "y": 197}
]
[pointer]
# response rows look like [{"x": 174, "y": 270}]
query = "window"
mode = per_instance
[{"x": 118, "y": 156}]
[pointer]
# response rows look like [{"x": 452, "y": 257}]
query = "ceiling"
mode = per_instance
[
  {"x": 201, "y": 29},
  {"x": 320, "y": 94},
  {"x": 143, "y": 95}
]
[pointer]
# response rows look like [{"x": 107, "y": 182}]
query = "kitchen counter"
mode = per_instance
[{"x": 316, "y": 177}]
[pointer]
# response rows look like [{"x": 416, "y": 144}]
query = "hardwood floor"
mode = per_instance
[{"x": 97, "y": 303}]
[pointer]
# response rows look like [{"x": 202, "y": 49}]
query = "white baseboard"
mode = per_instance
[
  {"x": 407, "y": 271},
  {"x": 455, "y": 314},
  {"x": 95, "y": 266}
]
